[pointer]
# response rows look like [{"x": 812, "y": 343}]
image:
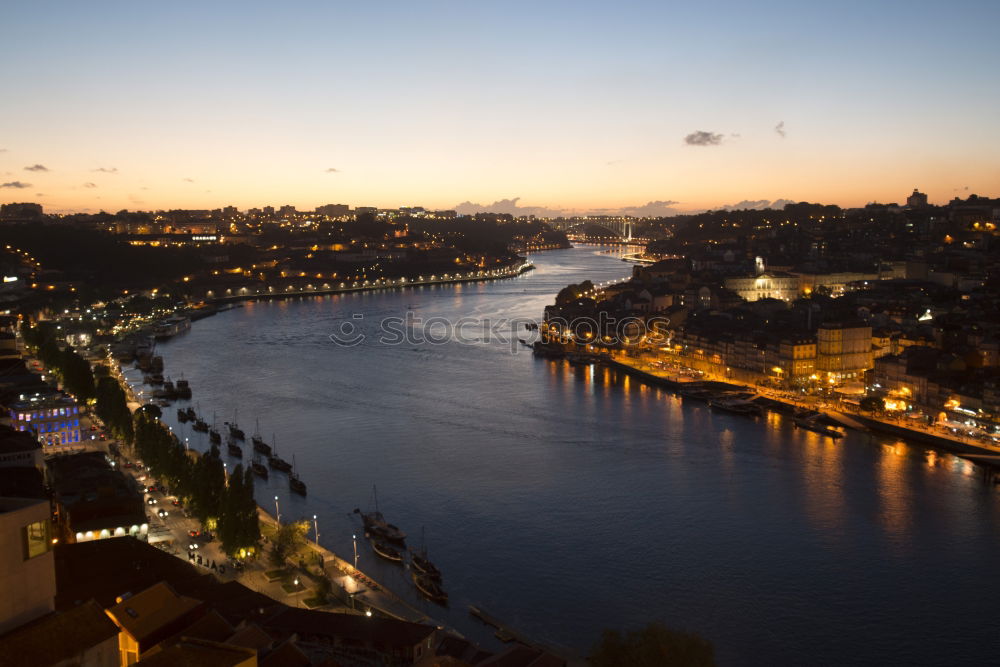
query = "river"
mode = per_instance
[{"x": 565, "y": 500}]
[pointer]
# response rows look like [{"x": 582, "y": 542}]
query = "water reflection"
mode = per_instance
[{"x": 528, "y": 472}]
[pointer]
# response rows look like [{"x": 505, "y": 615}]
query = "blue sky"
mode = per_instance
[{"x": 568, "y": 106}]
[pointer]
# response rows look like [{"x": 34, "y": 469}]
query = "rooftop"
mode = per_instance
[
  {"x": 146, "y": 614},
  {"x": 78, "y": 629}
]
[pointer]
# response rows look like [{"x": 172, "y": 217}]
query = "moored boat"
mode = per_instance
[
  {"x": 258, "y": 443},
  {"x": 183, "y": 389},
  {"x": 234, "y": 449},
  {"x": 182, "y": 415},
  {"x": 421, "y": 564},
  {"x": 376, "y": 524},
  {"x": 295, "y": 484},
  {"x": 275, "y": 461},
  {"x": 816, "y": 427},
  {"x": 234, "y": 429},
  {"x": 430, "y": 588},
  {"x": 385, "y": 551},
  {"x": 738, "y": 406},
  {"x": 258, "y": 468}
]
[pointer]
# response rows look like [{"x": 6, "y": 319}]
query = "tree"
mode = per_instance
[
  {"x": 653, "y": 646},
  {"x": 112, "y": 408},
  {"x": 76, "y": 374},
  {"x": 287, "y": 540}
]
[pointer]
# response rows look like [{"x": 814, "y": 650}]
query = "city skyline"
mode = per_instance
[{"x": 566, "y": 108}]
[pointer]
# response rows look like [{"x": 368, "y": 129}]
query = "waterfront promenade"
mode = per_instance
[
  {"x": 230, "y": 295},
  {"x": 843, "y": 414}
]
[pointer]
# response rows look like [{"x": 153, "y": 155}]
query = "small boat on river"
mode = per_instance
[
  {"x": 275, "y": 461},
  {"x": 430, "y": 588},
  {"x": 387, "y": 552},
  {"x": 376, "y": 524}
]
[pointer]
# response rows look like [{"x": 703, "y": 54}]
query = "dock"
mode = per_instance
[{"x": 504, "y": 633}]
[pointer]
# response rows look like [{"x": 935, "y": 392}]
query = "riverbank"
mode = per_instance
[
  {"x": 780, "y": 403},
  {"x": 245, "y": 294}
]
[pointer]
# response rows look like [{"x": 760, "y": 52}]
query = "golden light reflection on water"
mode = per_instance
[
  {"x": 823, "y": 477},
  {"x": 895, "y": 494}
]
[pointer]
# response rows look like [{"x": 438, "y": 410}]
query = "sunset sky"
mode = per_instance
[{"x": 562, "y": 106}]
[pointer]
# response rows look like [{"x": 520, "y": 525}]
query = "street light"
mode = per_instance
[
  {"x": 277, "y": 511},
  {"x": 355, "y": 539},
  {"x": 316, "y": 530}
]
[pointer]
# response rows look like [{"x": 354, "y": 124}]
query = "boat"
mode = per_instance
[
  {"x": 191, "y": 416},
  {"x": 376, "y": 524},
  {"x": 815, "y": 426},
  {"x": 387, "y": 552},
  {"x": 168, "y": 389},
  {"x": 258, "y": 442},
  {"x": 276, "y": 461},
  {"x": 233, "y": 448},
  {"x": 154, "y": 378},
  {"x": 183, "y": 389},
  {"x": 294, "y": 483},
  {"x": 258, "y": 468},
  {"x": 430, "y": 588},
  {"x": 200, "y": 425},
  {"x": 213, "y": 434},
  {"x": 423, "y": 564},
  {"x": 234, "y": 429},
  {"x": 736, "y": 404},
  {"x": 182, "y": 415},
  {"x": 171, "y": 326}
]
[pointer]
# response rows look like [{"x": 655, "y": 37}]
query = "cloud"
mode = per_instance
[
  {"x": 3, "y": 150},
  {"x": 15, "y": 184},
  {"x": 780, "y": 129},
  {"x": 611, "y": 163},
  {"x": 188, "y": 180},
  {"x": 703, "y": 138},
  {"x": 107, "y": 170},
  {"x": 651, "y": 209},
  {"x": 36, "y": 167},
  {"x": 507, "y": 206},
  {"x": 90, "y": 185},
  {"x": 332, "y": 170},
  {"x": 756, "y": 204}
]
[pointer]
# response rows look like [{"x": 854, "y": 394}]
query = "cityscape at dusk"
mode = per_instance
[{"x": 549, "y": 334}]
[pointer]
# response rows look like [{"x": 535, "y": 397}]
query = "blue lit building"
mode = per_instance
[{"x": 53, "y": 418}]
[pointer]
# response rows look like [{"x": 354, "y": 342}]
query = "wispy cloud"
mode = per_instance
[
  {"x": 756, "y": 204},
  {"x": 332, "y": 170},
  {"x": 188, "y": 180},
  {"x": 3, "y": 150},
  {"x": 703, "y": 138},
  {"x": 18, "y": 185},
  {"x": 36, "y": 167},
  {"x": 652, "y": 209},
  {"x": 106, "y": 170},
  {"x": 507, "y": 206},
  {"x": 780, "y": 129},
  {"x": 88, "y": 184}
]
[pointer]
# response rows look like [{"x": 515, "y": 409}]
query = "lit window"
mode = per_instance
[{"x": 35, "y": 538}]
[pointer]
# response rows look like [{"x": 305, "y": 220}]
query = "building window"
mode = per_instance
[{"x": 35, "y": 537}]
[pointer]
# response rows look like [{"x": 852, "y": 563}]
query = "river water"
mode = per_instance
[{"x": 565, "y": 500}]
